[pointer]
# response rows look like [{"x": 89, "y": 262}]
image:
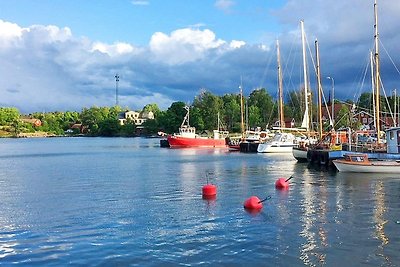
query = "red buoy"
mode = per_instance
[
  {"x": 209, "y": 191},
  {"x": 282, "y": 183},
  {"x": 253, "y": 203}
]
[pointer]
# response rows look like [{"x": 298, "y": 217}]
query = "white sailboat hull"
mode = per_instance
[
  {"x": 373, "y": 167},
  {"x": 275, "y": 147}
]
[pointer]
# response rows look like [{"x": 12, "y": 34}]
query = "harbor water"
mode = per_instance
[{"x": 128, "y": 202}]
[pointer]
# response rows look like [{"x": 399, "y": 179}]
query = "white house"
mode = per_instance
[{"x": 137, "y": 117}]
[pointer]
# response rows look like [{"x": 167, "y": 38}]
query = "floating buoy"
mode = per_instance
[
  {"x": 281, "y": 183},
  {"x": 209, "y": 191},
  {"x": 253, "y": 203}
]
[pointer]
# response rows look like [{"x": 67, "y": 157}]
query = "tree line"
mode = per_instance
[{"x": 260, "y": 110}]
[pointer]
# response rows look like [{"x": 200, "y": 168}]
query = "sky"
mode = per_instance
[{"x": 63, "y": 55}]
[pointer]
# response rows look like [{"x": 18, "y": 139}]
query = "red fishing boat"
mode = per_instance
[{"x": 187, "y": 136}]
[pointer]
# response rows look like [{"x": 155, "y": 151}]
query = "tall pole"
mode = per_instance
[
  {"x": 281, "y": 115},
  {"x": 395, "y": 109},
  {"x": 319, "y": 89},
  {"x": 306, "y": 119},
  {"x": 373, "y": 85},
  {"x": 116, "y": 88},
  {"x": 241, "y": 109},
  {"x": 377, "y": 76},
  {"x": 333, "y": 101}
]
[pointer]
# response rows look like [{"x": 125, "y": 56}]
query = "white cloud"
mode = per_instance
[
  {"x": 140, "y": 3},
  {"x": 237, "y": 44},
  {"x": 183, "y": 45},
  {"x": 48, "y": 68},
  {"x": 114, "y": 49},
  {"x": 224, "y": 5}
]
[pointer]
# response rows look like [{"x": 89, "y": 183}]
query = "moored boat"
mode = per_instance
[
  {"x": 361, "y": 163},
  {"x": 187, "y": 137},
  {"x": 280, "y": 143}
]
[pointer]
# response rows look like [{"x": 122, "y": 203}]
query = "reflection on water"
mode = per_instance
[
  {"x": 379, "y": 218},
  {"x": 121, "y": 202},
  {"x": 313, "y": 222}
]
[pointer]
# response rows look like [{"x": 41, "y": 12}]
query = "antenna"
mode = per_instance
[{"x": 116, "y": 88}]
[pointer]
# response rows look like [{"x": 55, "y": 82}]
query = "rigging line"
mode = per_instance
[
  {"x": 361, "y": 83},
  {"x": 391, "y": 59},
  {"x": 266, "y": 69},
  {"x": 357, "y": 96},
  {"x": 387, "y": 100}
]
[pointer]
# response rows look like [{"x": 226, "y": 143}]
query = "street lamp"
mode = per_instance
[{"x": 333, "y": 100}]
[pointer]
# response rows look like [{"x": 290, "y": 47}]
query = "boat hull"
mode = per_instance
[
  {"x": 178, "y": 141},
  {"x": 300, "y": 154},
  {"x": 274, "y": 148},
  {"x": 373, "y": 167}
]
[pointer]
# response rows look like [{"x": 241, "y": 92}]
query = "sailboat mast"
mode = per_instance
[
  {"x": 280, "y": 87},
  {"x": 373, "y": 86},
  {"x": 319, "y": 89},
  {"x": 306, "y": 119},
  {"x": 241, "y": 109},
  {"x": 377, "y": 75}
]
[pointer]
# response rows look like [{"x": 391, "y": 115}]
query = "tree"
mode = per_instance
[
  {"x": 153, "y": 108},
  {"x": 170, "y": 120},
  {"x": 232, "y": 112},
  {"x": 209, "y": 107},
  {"x": 109, "y": 127},
  {"x": 343, "y": 117},
  {"x": 261, "y": 99},
  {"x": 8, "y": 115}
]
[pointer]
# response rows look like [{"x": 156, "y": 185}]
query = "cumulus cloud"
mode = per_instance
[
  {"x": 47, "y": 68},
  {"x": 183, "y": 45}
]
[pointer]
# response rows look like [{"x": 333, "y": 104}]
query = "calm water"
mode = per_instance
[{"x": 98, "y": 201}]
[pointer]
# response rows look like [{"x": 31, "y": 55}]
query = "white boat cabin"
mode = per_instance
[
  {"x": 187, "y": 131},
  {"x": 393, "y": 140}
]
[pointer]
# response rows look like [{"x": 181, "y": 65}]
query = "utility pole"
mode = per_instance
[{"x": 116, "y": 88}]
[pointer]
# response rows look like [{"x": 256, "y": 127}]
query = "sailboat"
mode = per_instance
[
  {"x": 282, "y": 142},
  {"x": 389, "y": 162},
  {"x": 187, "y": 136}
]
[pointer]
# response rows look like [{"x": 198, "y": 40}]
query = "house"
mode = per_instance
[
  {"x": 79, "y": 128},
  {"x": 34, "y": 122},
  {"x": 138, "y": 118},
  {"x": 366, "y": 120}
]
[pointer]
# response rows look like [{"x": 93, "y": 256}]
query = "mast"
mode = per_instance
[
  {"x": 306, "y": 118},
  {"x": 241, "y": 109},
  {"x": 377, "y": 75},
  {"x": 280, "y": 87},
  {"x": 373, "y": 85},
  {"x": 319, "y": 89},
  {"x": 395, "y": 109}
]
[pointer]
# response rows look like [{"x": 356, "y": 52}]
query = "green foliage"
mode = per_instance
[
  {"x": 343, "y": 117},
  {"x": 8, "y": 116},
  {"x": 103, "y": 121},
  {"x": 209, "y": 107},
  {"x": 263, "y": 110},
  {"x": 109, "y": 127},
  {"x": 153, "y": 108},
  {"x": 151, "y": 126}
]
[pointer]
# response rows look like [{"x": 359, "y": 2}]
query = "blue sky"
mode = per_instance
[
  {"x": 63, "y": 55},
  {"x": 135, "y": 21}
]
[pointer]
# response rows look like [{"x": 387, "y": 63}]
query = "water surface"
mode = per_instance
[{"x": 126, "y": 201}]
